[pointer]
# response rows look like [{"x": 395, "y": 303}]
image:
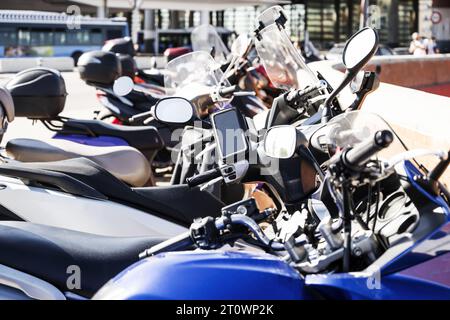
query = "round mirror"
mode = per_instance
[
  {"x": 280, "y": 142},
  {"x": 360, "y": 48},
  {"x": 174, "y": 110},
  {"x": 123, "y": 86},
  {"x": 240, "y": 45}
]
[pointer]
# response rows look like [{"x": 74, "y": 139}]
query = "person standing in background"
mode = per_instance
[
  {"x": 417, "y": 47},
  {"x": 431, "y": 46}
]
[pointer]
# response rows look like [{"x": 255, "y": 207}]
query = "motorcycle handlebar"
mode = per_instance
[
  {"x": 203, "y": 177},
  {"x": 362, "y": 152}
]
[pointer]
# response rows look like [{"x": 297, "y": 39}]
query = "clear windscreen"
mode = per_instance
[
  {"x": 192, "y": 71},
  {"x": 205, "y": 37},
  {"x": 283, "y": 62},
  {"x": 351, "y": 128},
  {"x": 269, "y": 16}
]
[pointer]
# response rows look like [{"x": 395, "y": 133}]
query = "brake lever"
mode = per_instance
[
  {"x": 210, "y": 183},
  {"x": 148, "y": 120},
  {"x": 244, "y": 93}
]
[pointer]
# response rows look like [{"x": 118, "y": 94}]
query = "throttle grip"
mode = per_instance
[{"x": 363, "y": 151}]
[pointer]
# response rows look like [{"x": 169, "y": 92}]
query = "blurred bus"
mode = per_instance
[{"x": 49, "y": 34}]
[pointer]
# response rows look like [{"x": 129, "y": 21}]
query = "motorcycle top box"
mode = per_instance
[
  {"x": 120, "y": 45},
  {"x": 99, "y": 67},
  {"x": 38, "y": 93}
]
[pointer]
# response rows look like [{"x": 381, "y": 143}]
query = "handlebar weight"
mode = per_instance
[
  {"x": 203, "y": 177},
  {"x": 362, "y": 152}
]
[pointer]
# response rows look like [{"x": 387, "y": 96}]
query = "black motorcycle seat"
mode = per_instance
[
  {"x": 157, "y": 79},
  {"x": 138, "y": 102},
  {"x": 47, "y": 253},
  {"x": 139, "y": 137},
  {"x": 177, "y": 203}
]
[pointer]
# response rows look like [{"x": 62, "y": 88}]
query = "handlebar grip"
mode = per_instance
[
  {"x": 362, "y": 152},
  {"x": 228, "y": 91},
  {"x": 203, "y": 177}
]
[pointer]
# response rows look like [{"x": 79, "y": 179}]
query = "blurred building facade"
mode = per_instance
[{"x": 327, "y": 21}]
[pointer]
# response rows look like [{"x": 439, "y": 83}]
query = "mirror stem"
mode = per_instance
[{"x": 349, "y": 74}]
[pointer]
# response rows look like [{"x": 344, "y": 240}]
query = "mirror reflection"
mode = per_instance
[
  {"x": 174, "y": 110},
  {"x": 359, "y": 48},
  {"x": 123, "y": 86},
  {"x": 280, "y": 142}
]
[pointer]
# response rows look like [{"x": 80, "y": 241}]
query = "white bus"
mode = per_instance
[{"x": 36, "y": 33}]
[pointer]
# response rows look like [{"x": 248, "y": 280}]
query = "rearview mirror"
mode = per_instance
[
  {"x": 174, "y": 110},
  {"x": 359, "y": 49},
  {"x": 357, "y": 52},
  {"x": 123, "y": 86},
  {"x": 280, "y": 142}
]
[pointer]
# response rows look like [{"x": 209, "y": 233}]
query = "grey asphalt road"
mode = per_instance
[{"x": 81, "y": 103}]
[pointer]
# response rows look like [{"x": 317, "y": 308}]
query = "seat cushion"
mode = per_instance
[
  {"x": 47, "y": 252},
  {"x": 126, "y": 163}
]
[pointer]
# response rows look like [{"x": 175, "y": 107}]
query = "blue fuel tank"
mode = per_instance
[{"x": 207, "y": 275}]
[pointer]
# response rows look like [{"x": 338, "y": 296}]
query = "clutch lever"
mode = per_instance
[{"x": 210, "y": 183}]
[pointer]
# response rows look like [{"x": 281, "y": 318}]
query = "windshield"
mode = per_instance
[
  {"x": 283, "y": 62},
  {"x": 269, "y": 16},
  {"x": 206, "y": 38},
  {"x": 195, "y": 69},
  {"x": 351, "y": 128}
]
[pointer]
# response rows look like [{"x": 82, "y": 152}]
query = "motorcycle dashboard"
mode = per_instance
[{"x": 230, "y": 129}]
